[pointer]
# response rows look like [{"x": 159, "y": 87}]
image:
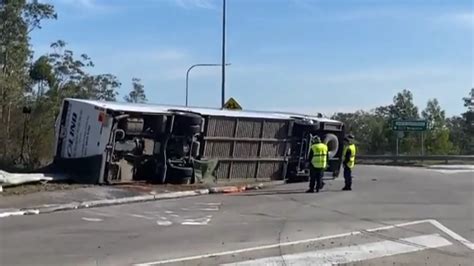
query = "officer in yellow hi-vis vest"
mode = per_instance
[
  {"x": 318, "y": 157},
  {"x": 348, "y": 156}
]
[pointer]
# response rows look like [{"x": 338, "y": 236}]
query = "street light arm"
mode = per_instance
[{"x": 189, "y": 70}]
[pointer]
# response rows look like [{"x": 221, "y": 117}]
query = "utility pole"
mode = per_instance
[{"x": 223, "y": 54}]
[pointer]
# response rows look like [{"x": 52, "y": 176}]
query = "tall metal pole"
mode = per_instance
[{"x": 223, "y": 53}]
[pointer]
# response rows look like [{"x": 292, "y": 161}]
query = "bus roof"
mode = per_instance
[{"x": 205, "y": 111}]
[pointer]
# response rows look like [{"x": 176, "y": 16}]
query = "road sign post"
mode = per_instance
[{"x": 401, "y": 126}]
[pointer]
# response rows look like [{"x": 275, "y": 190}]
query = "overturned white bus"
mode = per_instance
[{"x": 109, "y": 142}]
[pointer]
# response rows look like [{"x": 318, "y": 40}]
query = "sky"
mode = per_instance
[{"x": 304, "y": 56}]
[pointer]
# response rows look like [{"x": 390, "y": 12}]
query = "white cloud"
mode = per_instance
[
  {"x": 386, "y": 74},
  {"x": 464, "y": 19},
  {"x": 208, "y": 4},
  {"x": 167, "y": 55},
  {"x": 80, "y": 3}
]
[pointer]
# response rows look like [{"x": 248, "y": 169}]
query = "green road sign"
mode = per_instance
[{"x": 410, "y": 125}]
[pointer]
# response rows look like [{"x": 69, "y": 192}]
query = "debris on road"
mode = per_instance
[{"x": 14, "y": 179}]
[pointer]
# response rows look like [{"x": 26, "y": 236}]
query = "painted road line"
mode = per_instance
[
  {"x": 453, "y": 171},
  {"x": 232, "y": 252},
  {"x": 92, "y": 219},
  {"x": 452, "y": 234},
  {"x": 435, "y": 223},
  {"x": 397, "y": 225},
  {"x": 342, "y": 255}
]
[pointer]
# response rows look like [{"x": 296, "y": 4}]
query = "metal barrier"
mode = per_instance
[{"x": 410, "y": 158}]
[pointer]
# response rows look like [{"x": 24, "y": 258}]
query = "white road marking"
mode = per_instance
[
  {"x": 342, "y": 255},
  {"x": 14, "y": 213},
  {"x": 435, "y": 223},
  {"x": 18, "y": 213},
  {"x": 209, "y": 209},
  {"x": 449, "y": 171},
  {"x": 452, "y": 234},
  {"x": 91, "y": 212},
  {"x": 204, "y": 221},
  {"x": 92, "y": 219},
  {"x": 224, "y": 253},
  {"x": 209, "y": 204},
  {"x": 164, "y": 223},
  {"x": 141, "y": 216}
]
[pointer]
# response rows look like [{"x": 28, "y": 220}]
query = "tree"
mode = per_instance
[
  {"x": 438, "y": 137},
  {"x": 137, "y": 94},
  {"x": 18, "y": 19},
  {"x": 457, "y": 134},
  {"x": 468, "y": 118},
  {"x": 403, "y": 107},
  {"x": 101, "y": 87},
  {"x": 41, "y": 75},
  {"x": 368, "y": 128},
  {"x": 434, "y": 115},
  {"x": 70, "y": 77}
]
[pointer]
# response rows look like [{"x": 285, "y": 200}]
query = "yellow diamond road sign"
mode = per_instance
[{"x": 232, "y": 104}]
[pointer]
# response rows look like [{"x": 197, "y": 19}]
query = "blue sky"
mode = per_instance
[{"x": 290, "y": 55}]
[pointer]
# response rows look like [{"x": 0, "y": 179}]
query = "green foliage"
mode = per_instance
[
  {"x": 41, "y": 84},
  {"x": 18, "y": 19},
  {"x": 403, "y": 107},
  {"x": 435, "y": 116},
  {"x": 375, "y": 136},
  {"x": 137, "y": 94},
  {"x": 370, "y": 129},
  {"x": 468, "y": 122},
  {"x": 437, "y": 140}
]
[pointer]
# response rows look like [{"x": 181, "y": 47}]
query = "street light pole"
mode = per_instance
[
  {"x": 187, "y": 76},
  {"x": 223, "y": 54}
]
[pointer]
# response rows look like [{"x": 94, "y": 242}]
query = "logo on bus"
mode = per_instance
[{"x": 72, "y": 133}]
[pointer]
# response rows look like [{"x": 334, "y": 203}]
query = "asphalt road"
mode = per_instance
[{"x": 432, "y": 210}]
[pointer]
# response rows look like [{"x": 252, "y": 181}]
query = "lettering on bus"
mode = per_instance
[{"x": 72, "y": 134}]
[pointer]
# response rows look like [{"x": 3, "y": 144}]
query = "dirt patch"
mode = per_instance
[
  {"x": 150, "y": 188},
  {"x": 132, "y": 187},
  {"x": 38, "y": 187}
]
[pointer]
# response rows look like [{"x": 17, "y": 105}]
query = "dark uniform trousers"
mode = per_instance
[
  {"x": 316, "y": 178},
  {"x": 347, "y": 176}
]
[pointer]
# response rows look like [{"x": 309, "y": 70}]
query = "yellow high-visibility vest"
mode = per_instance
[
  {"x": 320, "y": 153},
  {"x": 351, "y": 161}
]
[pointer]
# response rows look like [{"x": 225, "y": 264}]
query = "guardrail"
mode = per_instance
[{"x": 415, "y": 158}]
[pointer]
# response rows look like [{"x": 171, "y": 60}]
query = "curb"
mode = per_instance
[{"x": 135, "y": 199}]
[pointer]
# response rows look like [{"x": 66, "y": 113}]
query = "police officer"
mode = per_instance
[
  {"x": 348, "y": 156},
  {"x": 318, "y": 157}
]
